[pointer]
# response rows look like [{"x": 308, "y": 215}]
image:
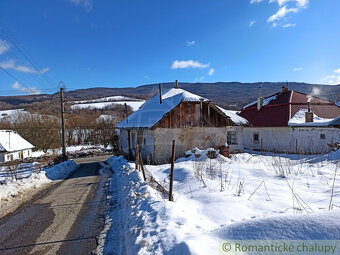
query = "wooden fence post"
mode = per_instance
[
  {"x": 172, "y": 171},
  {"x": 137, "y": 156},
  {"x": 142, "y": 165}
]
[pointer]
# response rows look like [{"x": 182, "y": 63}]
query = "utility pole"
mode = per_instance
[{"x": 62, "y": 111}]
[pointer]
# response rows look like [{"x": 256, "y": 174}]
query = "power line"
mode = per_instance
[
  {"x": 37, "y": 78},
  {"x": 17, "y": 80},
  {"x": 27, "y": 56}
]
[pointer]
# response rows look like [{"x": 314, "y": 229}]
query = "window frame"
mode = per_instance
[{"x": 232, "y": 137}]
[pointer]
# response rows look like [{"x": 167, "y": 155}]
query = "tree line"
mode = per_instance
[{"x": 41, "y": 125}]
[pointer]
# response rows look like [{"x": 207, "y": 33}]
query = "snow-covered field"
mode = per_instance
[
  {"x": 71, "y": 149},
  {"x": 106, "y": 99},
  {"x": 134, "y": 104},
  {"x": 6, "y": 113},
  {"x": 246, "y": 197}
]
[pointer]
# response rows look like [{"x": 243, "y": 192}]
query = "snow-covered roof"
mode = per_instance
[
  {"x": 153, "y": 111},
  {"x": 299, "y": 119},
  {"x": 265, "y": 101},
  {"x": 238, "y": 120},
  {"x": 11, "y": 141}
]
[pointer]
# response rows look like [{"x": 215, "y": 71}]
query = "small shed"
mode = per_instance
[
  {"x": 13, "y": 146},
  {"x": 175, "y": 114}
]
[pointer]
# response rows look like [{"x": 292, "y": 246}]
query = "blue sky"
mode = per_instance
[{"x": 120, "y": 43}]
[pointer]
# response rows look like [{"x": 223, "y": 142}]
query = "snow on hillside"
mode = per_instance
[
  {"x": 6, "y": 113},
  {"x": 135, "y": 105},
  {"x": 246, "y": 197},
  {"x": 106, "y": 99}
]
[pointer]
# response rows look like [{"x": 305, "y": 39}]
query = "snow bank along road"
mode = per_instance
[{"x": 64, "y": 220}]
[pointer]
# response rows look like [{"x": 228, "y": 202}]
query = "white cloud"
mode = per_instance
[
  {"x": 284, "y": 10},
  {"x": 190, "y": 43},
  {"x": 33, "y": 90},
  {"x": 10, "y": 64},
  {"x": 333, "y": 79},
  {"x": 299, "y": 3},
  {"x": 252, "y": 23},
  {"x": 297, "y": 69},
  {"x": 4, "y": 46},
  {"x": 211, "y": 71},
  {"x": 199, "y": 79},
  {"x": 289, "y": 25},
  {"x": 281, "y": 13},
  {"x": 188, "y": 64},
  {"x": 255, "y": 1},
  {"x": 86, "y": 4},
  {"x": 25, "y": 69}
]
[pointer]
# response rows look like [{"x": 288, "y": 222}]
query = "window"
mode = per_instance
[
  {"x": 322, "y": 136},
  {"x": 256, "y": 137},
  {"x": 231, "y": 137}
]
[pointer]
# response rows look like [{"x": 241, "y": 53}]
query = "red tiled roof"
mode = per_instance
[{"x": 280, "y": 110}]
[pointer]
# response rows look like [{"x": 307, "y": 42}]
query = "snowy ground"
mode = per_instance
[
  {"x": 28, "y": 179},
  {"x": 246, "y": 197},
  {"x": 71, "y": 149}
]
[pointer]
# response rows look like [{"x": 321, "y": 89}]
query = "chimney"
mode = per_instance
[
  {"x": 160, "y": 93},
  {"x": 284, "y": 89},
  {"x": 176, "y": 84},
  {"x": 309, "y": 114},
  {"x": 259, "y": 103}
]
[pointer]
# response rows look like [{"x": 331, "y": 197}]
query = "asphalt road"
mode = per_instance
[{"x": 64, "y": 220}]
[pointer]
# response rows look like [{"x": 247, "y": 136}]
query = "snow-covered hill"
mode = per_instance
[{"x": 107, "y": 101}]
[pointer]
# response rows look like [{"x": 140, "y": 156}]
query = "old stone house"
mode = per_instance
[{"x": 175, "y": 114}]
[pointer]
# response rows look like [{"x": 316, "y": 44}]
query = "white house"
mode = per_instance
[
  {"x": 291, "y": 122},
  {"x": 13, "y": 146}
]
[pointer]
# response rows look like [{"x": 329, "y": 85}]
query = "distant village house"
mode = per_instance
[
  {"x": 13, "y": 146},
  {"x": 291, "y": 122}
]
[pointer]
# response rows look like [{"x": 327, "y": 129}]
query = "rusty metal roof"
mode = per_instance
[{"x": 284, "y": 105}]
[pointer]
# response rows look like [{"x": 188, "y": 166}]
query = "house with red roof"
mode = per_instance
[{"x": 291, "y": 122}]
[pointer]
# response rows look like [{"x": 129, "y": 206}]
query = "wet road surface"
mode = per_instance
[{"x": 64, "y": 220}]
